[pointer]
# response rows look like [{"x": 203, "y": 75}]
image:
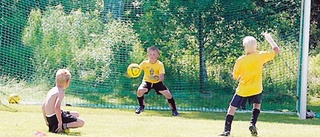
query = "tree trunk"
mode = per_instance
[{"x": 202, "y": 59}]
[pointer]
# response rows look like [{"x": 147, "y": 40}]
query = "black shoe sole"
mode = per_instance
[
  {"x": 225, "y": 134},
  {"x": 175, "y": 114},
  {"x": 253, "y": 131},
  {"x": 138, "y": 112}
]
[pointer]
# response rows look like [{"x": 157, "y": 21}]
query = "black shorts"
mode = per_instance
[
  {"x": 156, "y": 86},
  {"x": 238, "y": 100},
  {"x": 66, "y": 118}
]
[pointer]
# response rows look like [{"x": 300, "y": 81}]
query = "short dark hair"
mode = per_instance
[{"x": 154, "y": 48}]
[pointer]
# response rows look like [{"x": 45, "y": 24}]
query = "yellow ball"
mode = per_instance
[
  {"x": 66, "y": 130},
  {"x": 13, "y": 99},
  {"x": 133, "y": 70}
]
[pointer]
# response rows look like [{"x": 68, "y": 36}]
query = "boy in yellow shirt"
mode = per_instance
[
  {"x": 153, "y": 79},
  {"x": 248, "y": 72}
]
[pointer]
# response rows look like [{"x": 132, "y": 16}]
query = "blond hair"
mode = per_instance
[
  {"x": 153, "y": 48},
  {"x": 250, "y": 44},
  {"x": 62, "y": 76}
]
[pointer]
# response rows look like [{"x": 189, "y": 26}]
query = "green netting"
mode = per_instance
[{"x": 96, "y": 40}]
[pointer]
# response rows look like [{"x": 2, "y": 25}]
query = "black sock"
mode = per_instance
[
  {"x": 172, "y": 104},
  {"x": 141, "y": 101},
  {"x": 254, "y": 116},
  {"x": 228, "y": 122}
]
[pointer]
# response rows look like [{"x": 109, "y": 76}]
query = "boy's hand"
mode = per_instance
[
  {"x": 274, "y": 45},
  {"x": 156, "y": 77},
  {"x": 268, "y": 37},
  {"x": 59, "y": 129},
  {"x": 265, "y": 34},
  {"x": 126, "y": 75}
]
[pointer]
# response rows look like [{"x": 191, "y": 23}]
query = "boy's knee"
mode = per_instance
[
  {"x": 166, "y": 93},
  {"x": 80, "y": 122},
  {"x": 74, "y": 113},
  {"x": 141, "y": 92},
  {"x": 169, "y": 96}
]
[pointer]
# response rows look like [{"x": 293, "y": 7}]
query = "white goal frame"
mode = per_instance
[{"x": 303, "y": 59}]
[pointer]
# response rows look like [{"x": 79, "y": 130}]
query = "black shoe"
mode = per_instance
[
  {"x": 139, "y": 109},
  {"x": 253, "y": 130},
  {"x": 225, "y": 133},
  {"x": 175, "y": 113}
]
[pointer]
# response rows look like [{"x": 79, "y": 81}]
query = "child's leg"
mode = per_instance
[
  {"x": 254, "y": 118},
  {"x": 234, "y": 104},
  {"x": 255, "y": 114},
  {"x": 140, "y": 100},
  {"x": 228, "y": 121},
  {"x": 70, "y": 120},
  {"x": 143, "y": 89},
  {"x": 78, "y": 123},
  {"x": 172, "y": 104},
  {"x": 74, "y": 113},
  {"x": 229, "y": 118},
  {"x": 170, "y": 99},
  {"x": 256, "y": 100},
  {"x": 140, "y": 96}
]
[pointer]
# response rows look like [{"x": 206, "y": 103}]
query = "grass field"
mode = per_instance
[{"x": 23, "y": 120}]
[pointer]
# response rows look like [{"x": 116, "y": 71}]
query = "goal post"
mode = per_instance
[{"x": 303, "y": 59}]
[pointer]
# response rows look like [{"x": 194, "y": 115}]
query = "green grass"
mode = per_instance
[
  {"x": 314, "y": 104},
  {"x": 23, "y": 120}
]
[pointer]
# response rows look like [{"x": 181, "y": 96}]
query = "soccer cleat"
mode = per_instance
[
  {"x": 139, "y": 109},
  {"x": 65, "y": 128},
  {"x": 175, "y": 113},
  {"x": 253, "y": 130},
  {"x": 225, "y": 133}
]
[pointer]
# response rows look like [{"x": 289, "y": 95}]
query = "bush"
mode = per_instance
[{"x": 94, "y": 52}]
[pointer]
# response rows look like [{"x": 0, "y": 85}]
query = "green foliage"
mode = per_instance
[
  {"x": 93, "y": 51},
  {"x": 15, "y": 57},
  {"x": 314, "y": 75},
  {"x": 199, "y": 43},
  {"x": 315, "y": 27},
  {"x": 72, "y": 5}
]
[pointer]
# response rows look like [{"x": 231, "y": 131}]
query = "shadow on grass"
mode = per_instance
[
  {"x": 95, "y": 96},
  {"x": 263, "y": 117},
  {"x": 4, "y": 107},
  {"x": 73, "y": 133}
]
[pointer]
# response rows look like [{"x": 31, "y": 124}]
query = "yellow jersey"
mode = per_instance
[
  {"x": 248, "y": 70},
  {"x": 152, "y": 71}
]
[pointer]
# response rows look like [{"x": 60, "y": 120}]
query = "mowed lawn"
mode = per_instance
[{"x": 23, "y": 120}]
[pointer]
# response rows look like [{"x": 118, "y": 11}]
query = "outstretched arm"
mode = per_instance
[{"x": 274, "y": 45}]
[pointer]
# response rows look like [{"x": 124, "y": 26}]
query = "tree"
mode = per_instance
[
  {"x": 211, "y": 30},
  {"x": 14, "y": 15},
  {"x": 315, "y": 27}
]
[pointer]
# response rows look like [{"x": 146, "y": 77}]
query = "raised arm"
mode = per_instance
[{"x": 274, "y": 45}]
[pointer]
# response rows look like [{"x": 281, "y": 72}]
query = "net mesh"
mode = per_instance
[{"x": 96, "y": 40}]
